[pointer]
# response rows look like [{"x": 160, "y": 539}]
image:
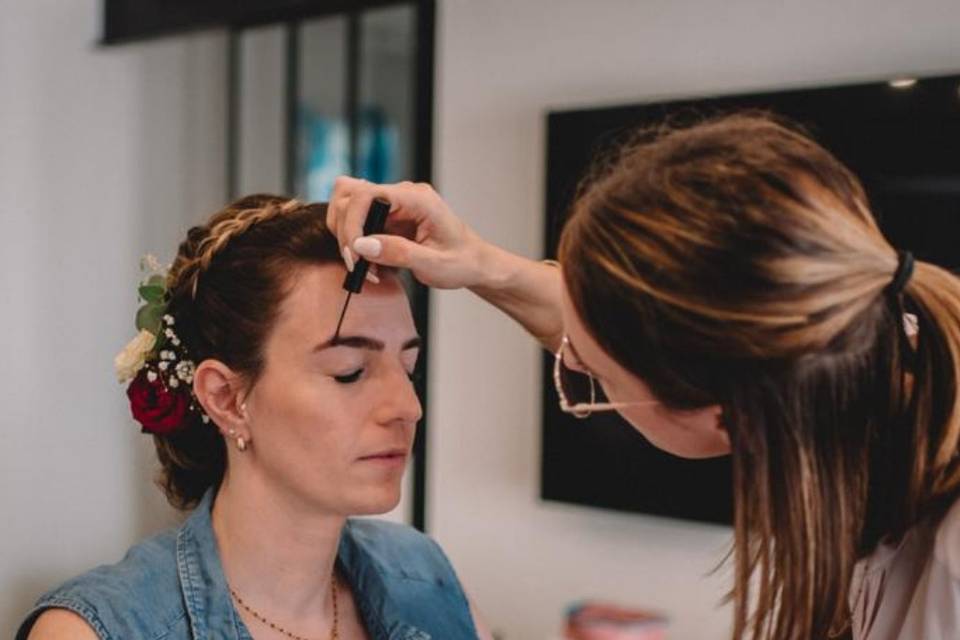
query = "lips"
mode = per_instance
[{"x": 386, "y": 455}]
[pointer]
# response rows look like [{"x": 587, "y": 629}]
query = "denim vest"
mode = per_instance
[{"x": 172, "y": 586}]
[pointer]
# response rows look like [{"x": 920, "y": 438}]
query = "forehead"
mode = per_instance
[{"x": 315, "y": 298}]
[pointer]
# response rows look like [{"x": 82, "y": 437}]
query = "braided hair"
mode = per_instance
[{"x": 206, "y": 241}]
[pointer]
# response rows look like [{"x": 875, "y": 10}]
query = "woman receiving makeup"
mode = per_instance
[{"x": 271, "y": 432}]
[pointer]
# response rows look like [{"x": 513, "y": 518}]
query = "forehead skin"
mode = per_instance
[{"x": 308, "y": 315}]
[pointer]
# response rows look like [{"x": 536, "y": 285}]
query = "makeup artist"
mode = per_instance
[{"x": 727, "y": 289}]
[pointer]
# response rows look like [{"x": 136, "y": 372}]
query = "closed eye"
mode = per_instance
[{"x": 349, "y": 378}]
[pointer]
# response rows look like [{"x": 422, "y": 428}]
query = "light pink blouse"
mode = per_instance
[{"x": 911, "y": 591}]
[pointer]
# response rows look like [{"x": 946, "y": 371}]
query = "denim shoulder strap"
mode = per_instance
[
  {"x": 138, "y": 597},
  {"x": 403, "y": 583}
]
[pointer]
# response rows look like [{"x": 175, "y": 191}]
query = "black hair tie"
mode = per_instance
[{"x": 903, "y": 273}]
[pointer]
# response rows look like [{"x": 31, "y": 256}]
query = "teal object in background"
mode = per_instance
[{"x": 326, "y": 151}]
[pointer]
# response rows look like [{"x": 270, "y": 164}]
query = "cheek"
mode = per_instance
[
  {"x": 686, "y": 434},
  {"x": 689, "y": 434},
  {"x": 301, "y": 406}
]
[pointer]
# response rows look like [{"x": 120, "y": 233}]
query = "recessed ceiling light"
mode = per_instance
[{"x": 903, "y": 83}]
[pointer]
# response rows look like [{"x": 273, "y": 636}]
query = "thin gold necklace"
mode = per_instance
[{"x": 334, "y": 633}]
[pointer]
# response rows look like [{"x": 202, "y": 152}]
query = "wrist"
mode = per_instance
[{"x": 495, "y": 269}]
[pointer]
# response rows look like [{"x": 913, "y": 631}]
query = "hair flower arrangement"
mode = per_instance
[{"x": 156, "y": 363}]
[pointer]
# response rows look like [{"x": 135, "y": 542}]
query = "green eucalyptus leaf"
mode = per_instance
[
  {"x": 150, "y": 317},
  {"x": 152, "y": 293},
  {"x": 157, "y": 280}
]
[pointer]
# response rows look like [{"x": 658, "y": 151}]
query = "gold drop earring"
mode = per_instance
[{"x": 241, "y": 442}]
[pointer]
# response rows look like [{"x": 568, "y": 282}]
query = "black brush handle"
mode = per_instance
[{"x": 376, "y": 220}]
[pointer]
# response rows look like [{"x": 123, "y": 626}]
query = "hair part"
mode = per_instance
[{"x": 736, "y": 262}]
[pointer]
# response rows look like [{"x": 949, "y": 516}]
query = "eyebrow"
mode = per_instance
[{"x": 364, "y": 342}]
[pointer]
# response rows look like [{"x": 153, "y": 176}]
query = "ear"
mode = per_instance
[
  {"x": 722, "y": 427},
  {"x": 220, "y": 391}
]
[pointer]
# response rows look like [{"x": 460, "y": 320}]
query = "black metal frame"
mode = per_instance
[
  {"x": 423, "y": 171},
  {"x": 292, "y": 91},
  {"x": 352, "y": 94},
  {"x": 135, "y": 20},
  {"x": 123, "y": 24}
]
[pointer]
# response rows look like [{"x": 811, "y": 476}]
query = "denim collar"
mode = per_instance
[{"x": 210, "y": 606}]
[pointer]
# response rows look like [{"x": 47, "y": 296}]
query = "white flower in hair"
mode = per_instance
[
  {"x": 128, "y": 362},
  {"x": 149, "y": 262},
  {"x": 163, "y": 365},
  {"x": 185, "y": 370}
]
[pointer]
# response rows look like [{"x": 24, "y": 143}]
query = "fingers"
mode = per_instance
[
  {"x": 394, "y": 251},
  {"x": 346, "y": 214},
  {"x": 416, "y": 212},
  {"x": 343, "y": 188},
  {"x": 347, "y": 211}
]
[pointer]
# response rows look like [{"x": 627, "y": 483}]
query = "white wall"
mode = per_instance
[
  {"x": 502, "y": 65},
  {"x": 105, "y": 154}
]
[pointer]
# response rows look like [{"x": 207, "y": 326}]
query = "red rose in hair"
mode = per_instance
[{"x": 158, "y": 408}]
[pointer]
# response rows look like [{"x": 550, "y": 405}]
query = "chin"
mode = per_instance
[
  {"x": 377, "y": 502},
  {"x": 700, "y": 454},
  {"x": 691, "y": 435},
  {"x": 693, "y": 450}
]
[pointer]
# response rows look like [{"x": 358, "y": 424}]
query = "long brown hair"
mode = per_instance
[
  {"x": 736, "y": 262},
  {"x": 226, "y": 285}
]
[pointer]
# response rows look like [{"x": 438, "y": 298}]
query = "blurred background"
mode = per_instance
[{"x": 121, "y": 125}]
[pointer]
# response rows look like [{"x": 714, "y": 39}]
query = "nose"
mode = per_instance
[{"x": 399, "y": 404}]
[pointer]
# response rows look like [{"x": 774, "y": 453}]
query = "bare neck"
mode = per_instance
[{"x": 277, "y": 553}]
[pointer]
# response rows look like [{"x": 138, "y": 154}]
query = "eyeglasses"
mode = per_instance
[{"x": 573, "y": 385}]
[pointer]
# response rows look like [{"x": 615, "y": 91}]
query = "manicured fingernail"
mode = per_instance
[
  {"x": 348, "y": 259},
  {"x": 367, "y": 247},
  {"x": 372, "y": 277}
]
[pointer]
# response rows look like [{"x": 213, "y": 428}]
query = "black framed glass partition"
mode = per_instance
[{"x": 352, "y": 110}]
